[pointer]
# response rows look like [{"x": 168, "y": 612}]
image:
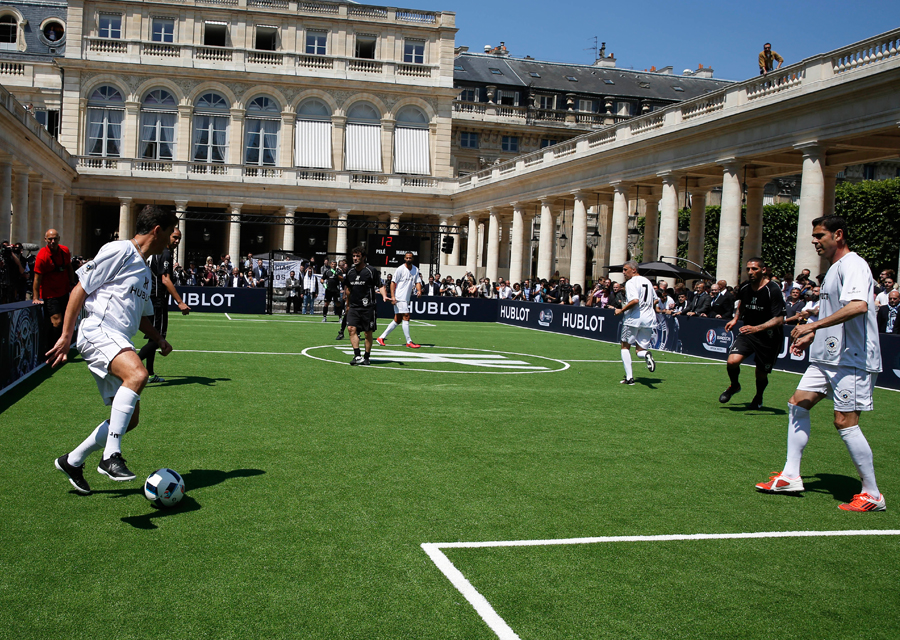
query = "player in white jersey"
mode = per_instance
[
  {"x": 114, "y": 289},
  {"x": 640, "y": 311},
  {"x": 844, "y": 360},
  {"x": 406, "y": 279}
]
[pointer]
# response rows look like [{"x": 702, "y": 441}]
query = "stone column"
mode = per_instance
[
  {"x": 184, "y": 142},
  {"x": 338, "y": 129},
  {"x": 35, "y": 190},
  {"x": 331, "y": 247},
  {"x": 235, "y": 148},
  {"x": 387, "y": 146},
  {"x": 234, "y": 232},
  {"x": 5, "y": 199},
  {"x": 651, "y": 227},
  {"x": 505, "y": 228},
  {"x": 668, "y": 220},
  {"x": 604, "y": 228},
  {"x": 753, "y": 239},
  {"x": 125, "y": 218},
  {"x": 547, "y": 240},
  {"x": 472, "y": 245},
  {"x": 578, "y": 264},
  {"x": 518, "y": 241},
  {"x": 131, "y": 131},
  {"x": 395, "y": 223},
  {"x": 340, "y": 245},
  {"x": 180, "y": 211},
  {"x": 59, "y": 219},
  {"x": 48, "y": 208},
  {"x": 480, "y": 258},
  {"x": 618, "y": 241},
  {"x": 727, "y": 267},
  {"x": 493, "y": 244},
  {"x": 527, "y": 249},
  {"x": 20, "y": 208},
  {"x": 812, "y": 205},
  {"x": 697, "y": 237},
  {"x": 457, "y": 239},
  {"x": 288, "y": 244},
  {"x": 286, "y": 153}
]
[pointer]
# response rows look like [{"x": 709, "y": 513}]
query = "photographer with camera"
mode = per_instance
[
  {"x": 12, "y": 273},
  {"x": 53, "y": 280}
]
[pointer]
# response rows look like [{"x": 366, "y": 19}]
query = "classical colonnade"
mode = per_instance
[{"x": 30, "y": 204}]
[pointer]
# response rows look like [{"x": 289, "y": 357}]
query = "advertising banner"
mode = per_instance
[
  {"x": 20, "y": 342},
  {"x": 446, "y": 308},
  {"x": 221, "y": 300}
]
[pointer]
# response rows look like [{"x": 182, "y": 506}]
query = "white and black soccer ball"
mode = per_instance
[{"x": 164, "y": 488}]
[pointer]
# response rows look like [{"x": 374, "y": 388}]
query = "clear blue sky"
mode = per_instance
[{"x": 726, "y": 35}]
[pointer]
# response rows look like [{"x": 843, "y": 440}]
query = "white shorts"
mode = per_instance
[
  {"x": 639, "y": 336},
  {"x": 98, "y": 347},
  {"x": 850, "y": 388},
  {"x": 402, "y": 307}
]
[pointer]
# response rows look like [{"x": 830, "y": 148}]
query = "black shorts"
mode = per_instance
[
  {"x": 362, "y": 319},
  {"x": 765, "y": 349},
  {"x": 54, "y": 306},
  {"x": 160, "y": 317},
  {"x": 332, "y": 295}
]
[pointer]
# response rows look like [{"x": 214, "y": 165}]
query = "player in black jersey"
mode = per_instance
[
  {"x": 761, "y": 308},
  {"x": 331, "y": 277},
  {"x": 361, "y": 284},
  {"x": 162, "y": 286}
]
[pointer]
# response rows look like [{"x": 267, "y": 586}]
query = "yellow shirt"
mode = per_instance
[{"x": 766, "y": 60}]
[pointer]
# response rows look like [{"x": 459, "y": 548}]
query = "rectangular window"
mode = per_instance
[
  {"x": 49, "y": 119},
  {"x": 8, "y": 33},
  {"x": 586, "y": 105},
  {"x": 510, "y": 144},
  {"x": 468, "y": 95},
  {"x": 546, "y": 142},
  {"x": 623, "y": 108},
  {"x": 215, "y": 34},
  {"x": 365, "y": 46},
  {"x": 163, "y": 30},
  {"x": 414, "y": 51},
  {"x": 110, "y": 26},
  {"x": 316, "y": 42},
  {"x": 266, "y": 38},
  {"x": 508, "y": 98},
  {"x": 468, "y": 140},
  {"x": 868, "y": 172},
  {"x": 496, "y": 72},
  {"x": 546, "y": 102}
]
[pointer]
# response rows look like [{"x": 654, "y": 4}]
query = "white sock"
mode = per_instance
[
  {"x": 93, "y": 442},
  {"x": 861, "y": 454},
  {"x": 406, "y": 331},
  {"x": 798, "y": 436},
  {"x": 626, "y": 360},
  {"x": 123, "y": 405},
  {"x": 640, "y": 354},
  {"x": 390, "y": 327}
]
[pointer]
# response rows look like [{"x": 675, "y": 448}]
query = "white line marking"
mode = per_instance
[
  {"x": 658, "y": 362},
  {"x": 242, "y": 353},
  {"x": 504, "y": 631},
  {"x": 227, "y": 316}
]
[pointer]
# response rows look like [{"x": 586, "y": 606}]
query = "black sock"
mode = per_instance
[
  {"x": 367, "y": 355},
  {"x": 733, "y": 375},
  {"x": 761, "y": 384},
  {"x": 151, "y": 358},
  {"x": 356, "y": 352}
]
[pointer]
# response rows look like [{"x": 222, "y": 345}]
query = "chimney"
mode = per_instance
[
  {"x": 666, "y": 70},
  {"x": 703, "y": 72}
]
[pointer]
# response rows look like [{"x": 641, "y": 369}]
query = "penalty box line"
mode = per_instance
[{"x": 499, "y": 626}]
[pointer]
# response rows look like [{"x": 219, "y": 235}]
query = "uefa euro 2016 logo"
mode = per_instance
[
  {"x": 545, "y": 318},
  {"x": 711, "y": 336}
]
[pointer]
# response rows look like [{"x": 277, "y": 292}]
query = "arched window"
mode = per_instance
[
  {"x": 105, "y": 111},
  {"x": 262, "y": 124},
  {"x": 212, "y": 115},
  {"x": 363, "y": 138},
  {"x": 411, "y": 154},
  {"x": 312, "y": 146},
  {"x": 158, "y": 115},
  {"x": 9, "y": 31}
]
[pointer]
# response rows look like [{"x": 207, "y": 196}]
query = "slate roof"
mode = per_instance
[
  {"x": 36, "y": 13},
  {"x": 517, "y": 72}
]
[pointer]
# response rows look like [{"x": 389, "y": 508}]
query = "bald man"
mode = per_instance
[{"x": 53, "y": 280}]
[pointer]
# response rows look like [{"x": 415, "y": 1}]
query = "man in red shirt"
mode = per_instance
[{"x": 53, "y": 279}]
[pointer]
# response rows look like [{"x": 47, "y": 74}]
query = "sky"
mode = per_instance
[{"x": 725, "y": 35}]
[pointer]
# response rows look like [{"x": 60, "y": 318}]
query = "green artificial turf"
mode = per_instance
[{"x": 312, "y": 484}]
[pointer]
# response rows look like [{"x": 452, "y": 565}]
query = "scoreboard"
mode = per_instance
[{"x": 388, "y": 251}]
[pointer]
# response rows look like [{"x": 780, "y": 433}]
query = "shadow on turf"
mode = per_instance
[
  {"x": 650, "y": 383},
  {"x": 842, "y": 488},
  {"x": 175, "y": 381},
  {"x": 32, "y": 382},
  {"x": 193, "y": 479},
  {"x": 746, "y": 407}
]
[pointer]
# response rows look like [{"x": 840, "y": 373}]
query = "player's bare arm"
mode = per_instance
[
  {"x": 626, "y": 306},
  {"x": 59, "y": 353},
  {"x": 150, "y": 331},
  {"x": 393, "y": 292},
  {"x": 734, "y": 320},
  {"x": 35, "y": 297},
  {"x": 170, "y": 287},
  {"x": 845, "y": 313},
  {"x": 777, "y": 321}
]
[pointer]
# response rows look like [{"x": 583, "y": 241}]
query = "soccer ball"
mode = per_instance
[{"x": 164, "y": 488}]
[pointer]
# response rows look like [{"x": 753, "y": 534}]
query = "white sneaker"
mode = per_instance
[
  {"x": 651, "y": 363},
  {"x": 864, "y": 502},
  {"x": 357, "y": 360},
  {"x": 626, "y": 381},
  {"x": 780, "y": 483}
]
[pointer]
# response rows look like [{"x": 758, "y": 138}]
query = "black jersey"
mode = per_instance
[
  {"x": 363, "y": 286},
  {"x": 160, "y": 265},
  {"x": 758, "y": 307},
  {"x": 332, "y": 277}
]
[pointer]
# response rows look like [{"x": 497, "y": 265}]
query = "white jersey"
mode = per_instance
[
  {"x": 643, "y": 314},
  {"x": 405, "y": 279},
  {"x": 811, "y": 306},
  {"x": 118, "y": 283},
  {"x": 853, "y": 343}
]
